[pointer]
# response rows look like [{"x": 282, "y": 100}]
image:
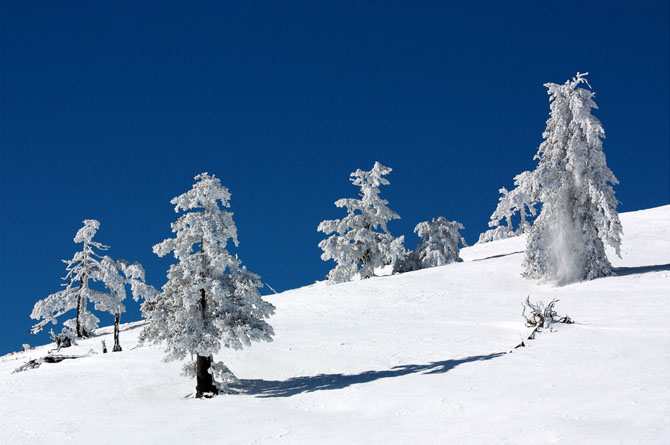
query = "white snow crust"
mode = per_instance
[{"x": 422, "y": 357}]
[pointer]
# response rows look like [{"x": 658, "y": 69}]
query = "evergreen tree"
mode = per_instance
[
  {"x": 209, "y": 300},
  {"x": 87, "y": 268},
  {"x": 575, "y": 187},
  {"x": 520, "y": 199},
  {"x": 439, "y": 245},
  {"x": 83, "y": 268},
  {"x": 116, "y": 275},
  {"x": 361, "y": 241}
]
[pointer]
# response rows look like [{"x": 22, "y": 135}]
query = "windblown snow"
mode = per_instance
[{"x": 421, "y": 357}]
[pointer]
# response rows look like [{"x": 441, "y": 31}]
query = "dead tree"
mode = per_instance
[
  {"x": 63, "y": 340},
  {"x": 538, "y": 316},
  {"x": 541, "y": 316}
]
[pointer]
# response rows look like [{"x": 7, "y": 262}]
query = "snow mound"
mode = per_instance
[{"x": 421, "y": 357}]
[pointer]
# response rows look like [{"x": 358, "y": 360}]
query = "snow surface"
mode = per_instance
[{"x": 422, "y": 357}]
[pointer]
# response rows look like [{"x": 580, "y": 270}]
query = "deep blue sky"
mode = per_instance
[{"x": 110, "y": 108}]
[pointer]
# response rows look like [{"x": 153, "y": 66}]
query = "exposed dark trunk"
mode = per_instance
[
  {"x": 117, "y": 321},
  {"x": 81, "y": 309},
  {"x": 367, "y": 270},
  {"x": 205, "y": 380},
  {"x": 81, "y": 287},
  {"x": 78, "y": 313}
]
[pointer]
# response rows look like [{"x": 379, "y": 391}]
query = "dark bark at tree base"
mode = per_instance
[{"x": 205, "y": 380}]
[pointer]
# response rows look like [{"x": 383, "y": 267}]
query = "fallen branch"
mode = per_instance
[{"x": 36, "y": 363}]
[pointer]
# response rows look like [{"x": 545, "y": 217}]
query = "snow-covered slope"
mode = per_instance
[{"x": 422, "y": 357}]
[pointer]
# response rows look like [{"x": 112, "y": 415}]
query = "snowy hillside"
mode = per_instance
[{"x": 422, "y": 357}]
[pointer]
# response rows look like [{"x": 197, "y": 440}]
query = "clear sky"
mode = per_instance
[{"x": 110, "y": 108}]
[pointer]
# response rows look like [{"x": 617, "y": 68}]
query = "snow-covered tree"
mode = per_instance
[
  {"x": 81, "y": 269},
  {"x": 85, "y": 268},
  {"x": 575, "y": 187},
  {"x": 439, "y": 245},
  {"x": 361, "y": 242},
  {"x": 496, "y": 233},
  {"x": 209, "y": 300},
  {"x": 116, "y": 274},
  {"x": 519, "y": 199}
]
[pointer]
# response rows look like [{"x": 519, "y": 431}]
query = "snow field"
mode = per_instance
[{"x": 422, "y": 357}]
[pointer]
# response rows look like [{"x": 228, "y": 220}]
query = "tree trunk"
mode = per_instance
[
  {"x": 78, "y": 313},
  {"x": 117, "y": 321},
  {"x": 81, "y": 309},
  {"x": 367, "y": 269},
  {"x": 81, "y": 287},
  {"x": 205, "y": 381}
]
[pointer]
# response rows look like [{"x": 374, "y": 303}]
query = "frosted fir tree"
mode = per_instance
[
  {"x": 361, "y": 242},
  {"x": 521, "y": 200},
  {"x": 82, "y": 269},
  {"x": 502, "y": 211},
  {"x": 209, "y": 300},
  {"x": 575, "y": 187},
  {"x": 439, "y": 245}
]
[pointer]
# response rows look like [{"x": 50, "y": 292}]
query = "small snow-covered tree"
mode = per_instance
[
  {"x": 209, "y": 300},
  {"x": 439, "y": 245},
  {"x": 81, "y": 269},
  {"x": 520, "y": 199},
  {"x": 89, "y": 267},
  {"x": 361, "y": 241},
  {"x": 502, "y": 211},
  {"x": 496, "y": 233},
  {"x": 116, "y": 274},
  {"x": 575, "y": 187}
]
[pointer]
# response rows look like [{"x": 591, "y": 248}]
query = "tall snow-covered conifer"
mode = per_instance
[
  {"x": 209, "y": 299},
  {"x": 575, "y": 186},
  {"x": 358, "y": 241}
]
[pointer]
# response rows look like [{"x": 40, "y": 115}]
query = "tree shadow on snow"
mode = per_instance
[
  {"x": 621, "y": 271},
  {"x": 498, "y": 256},
  {"x": 325, "y": 382}
]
